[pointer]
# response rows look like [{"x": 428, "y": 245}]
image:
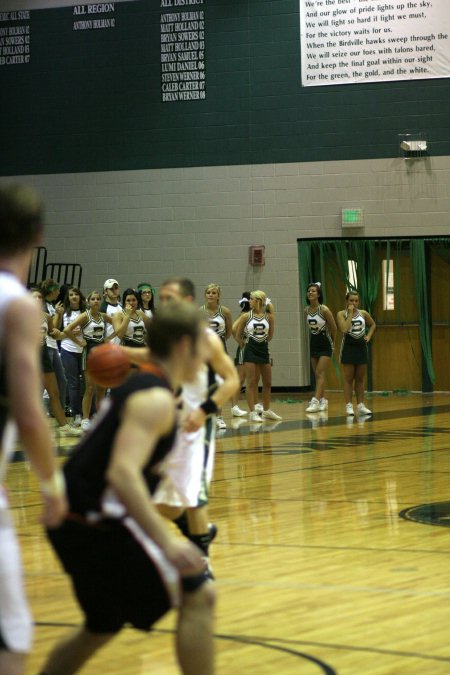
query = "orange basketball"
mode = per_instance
[{"x": 108, "y": 365}]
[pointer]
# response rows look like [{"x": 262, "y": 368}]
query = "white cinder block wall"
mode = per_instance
[{"x": 199, "y": 222}]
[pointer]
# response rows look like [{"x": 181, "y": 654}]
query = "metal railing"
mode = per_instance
[
  {"x": 67, "y": 274},
  {"x": 37, "y": 267}
]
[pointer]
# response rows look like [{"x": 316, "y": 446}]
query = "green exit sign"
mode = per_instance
[{"x": 352, "y": 217}]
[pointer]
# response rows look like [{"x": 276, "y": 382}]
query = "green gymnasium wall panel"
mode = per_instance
[{"x": 91, "y": 100}]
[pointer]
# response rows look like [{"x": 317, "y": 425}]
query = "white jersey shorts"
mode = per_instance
[
  {"x": 16, "y": 626},
  {"x": 188, "y": 469}
]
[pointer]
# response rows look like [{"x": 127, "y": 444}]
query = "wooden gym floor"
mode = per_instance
[{"x": 316, "y": 570}]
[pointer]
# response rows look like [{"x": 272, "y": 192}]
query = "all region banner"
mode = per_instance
[
  {"x": 354, "y": 41},
  {"x": 19, "y": 5}
]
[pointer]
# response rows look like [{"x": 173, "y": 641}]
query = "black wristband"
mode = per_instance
[{"x": 209, "y": 406}]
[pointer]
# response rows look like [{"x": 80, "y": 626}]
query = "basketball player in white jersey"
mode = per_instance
[
  {"x": 220, "y": 321},
  {"x": 21, "y": 410},
  {"x": 188, "y": 469}
]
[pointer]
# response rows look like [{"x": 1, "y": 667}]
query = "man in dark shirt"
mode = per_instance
[{"x": 126, "y": 564}]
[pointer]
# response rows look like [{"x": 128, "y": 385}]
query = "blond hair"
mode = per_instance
[
  {"x": 264, "y": 301},
  {"x": 94, "y": 292},
  {"x": 210, "y": 287}
]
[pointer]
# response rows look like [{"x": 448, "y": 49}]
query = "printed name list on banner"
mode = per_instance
[
  {"x": 182, "y": 51},
  {"x": 86, "y": 16},
  {"x": 15, "y": 38},
  {"x": 353, "y": 41}
]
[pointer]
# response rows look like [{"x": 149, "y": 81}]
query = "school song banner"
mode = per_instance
[{"x": 354, "y": 41}]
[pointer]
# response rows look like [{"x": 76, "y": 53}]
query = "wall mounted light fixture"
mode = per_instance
[{"x": 413, "y": 145}]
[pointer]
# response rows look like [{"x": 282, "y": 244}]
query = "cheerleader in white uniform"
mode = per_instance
[
  {"x": 358, "y": 328},
  {"x": 254, "y": 332},
  {"x": 93, "y": 325},
  {"x": 130, "y": 324},
  {"x": 322, "y": 327}
]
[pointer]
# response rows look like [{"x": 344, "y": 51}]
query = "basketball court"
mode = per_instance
[{"x": 317, "y": 571}]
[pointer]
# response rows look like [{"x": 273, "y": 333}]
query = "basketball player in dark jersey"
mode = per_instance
[
  {"x": 127, "y": 566},
  {"x": 21, "y": 410}
]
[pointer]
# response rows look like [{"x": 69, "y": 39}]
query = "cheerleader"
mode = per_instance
[
  {"x": 93, "y": 324},
  {"x": 353, "y": 323},
  {"x": 219, "y": 316},
  {"x": 130, "y": 323},
  {"x": 322, "y": 327},
  {"x": 254, "y": 332},
  {"x": 244, "y": 304}
]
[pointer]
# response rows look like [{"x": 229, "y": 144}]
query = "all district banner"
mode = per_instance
[{"x": 354, "y": 41}]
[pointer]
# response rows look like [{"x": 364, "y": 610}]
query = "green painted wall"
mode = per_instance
[{"x": 91, "y": 100}]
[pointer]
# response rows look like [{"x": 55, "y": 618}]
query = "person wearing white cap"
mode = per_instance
[{"x": 111, "y": 305}]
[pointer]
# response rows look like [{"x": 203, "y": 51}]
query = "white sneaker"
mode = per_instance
[
  {"x": 313, "y": 419},
  {"x": 323, "y": 404},
  {"x": 237, "y": 412},
  {"x": 259, "y": 408},
  {"x": 314, "y": 405},
  {"x": 362, "y": 419},
  {"x": 270, "y": 415},
  {"x": 254, "y": 417},
  {"x": 349, "y": 409},
  {"x": 255, "y": 427},
  {"x": 362, "y": 410},
  {"x": 271, "y": 427},
  {"x": 220, "y": 423},
  {"x": 85, "y": 424},
  {"x": 237, "y": 422},
  {"x": 77, "y": 421},
  {"x": 67, "y": 430}
]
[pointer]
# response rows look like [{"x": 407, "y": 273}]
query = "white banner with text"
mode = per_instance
[{"x": 354, "y": 41}]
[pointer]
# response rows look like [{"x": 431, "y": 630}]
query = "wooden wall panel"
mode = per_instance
[{"x": 396, "y": 359}]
